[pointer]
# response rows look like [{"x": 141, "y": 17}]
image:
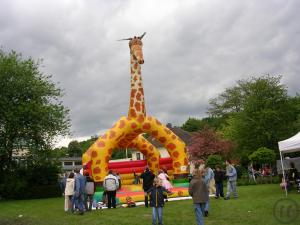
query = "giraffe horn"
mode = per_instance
[
  {"x": 141, "y": 37},
  {"x": 125, "y": 39}
]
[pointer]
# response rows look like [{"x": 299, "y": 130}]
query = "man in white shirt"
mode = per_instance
[{"x": 111, "y": 186}]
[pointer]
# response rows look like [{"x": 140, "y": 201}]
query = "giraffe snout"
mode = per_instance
[{"x": 141, "y": 61}]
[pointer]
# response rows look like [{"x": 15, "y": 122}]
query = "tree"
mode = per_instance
[
  {"x": 263, "y": 155},
  {"x": 193, "y": 124},
  {"x": 208, "y": 142},
  {"x": 263, "y": 113},
  {"x": 74, "y": 149},
  {"x": 31, "y": 114}
]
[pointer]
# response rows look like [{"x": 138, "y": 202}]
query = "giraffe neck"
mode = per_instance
[{"x": 137, "y": 102}]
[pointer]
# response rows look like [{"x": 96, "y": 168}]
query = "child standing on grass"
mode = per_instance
[{"x": 157, "y": 195}]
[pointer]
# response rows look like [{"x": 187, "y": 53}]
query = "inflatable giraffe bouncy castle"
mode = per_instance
[{"x": 128, "y": 131}]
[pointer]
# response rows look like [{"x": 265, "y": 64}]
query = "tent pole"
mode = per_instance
[{"x": 283, "y": 173}]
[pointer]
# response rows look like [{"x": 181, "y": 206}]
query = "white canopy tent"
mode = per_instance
[{"x": 287, "y": 146}]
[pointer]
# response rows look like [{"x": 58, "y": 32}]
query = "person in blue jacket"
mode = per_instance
[
  {"x": 157, "y": 195},
  {"x": 79, "y": 191}
]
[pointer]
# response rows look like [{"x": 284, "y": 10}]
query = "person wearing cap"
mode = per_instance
[{"x": 147, "y": 177}]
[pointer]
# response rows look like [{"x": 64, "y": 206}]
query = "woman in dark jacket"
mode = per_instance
[
  {"x": 148, "y": 178},
  {"x": 199, "y": 192}
]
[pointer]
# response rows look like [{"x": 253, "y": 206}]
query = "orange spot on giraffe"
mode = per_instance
[
  {"x": 150, "y": 164},
  {"x": 122, "y": 124},
  {"x": 98, "y": 161},
  {"x": 138, "y": 96},
  {"x": 171, "y": 146},
  {"x": 110, "y": 151},
  {"x": 94, "y": 154},
  {"x": 112, "y": 134},
  {"x": 137, "y": 106},
  {"x": 132, "y": 113},
  {"x": 141, "y": 90},
  {"x": 151, "y": 148},
  {"x": 107, "y": 159},
  {"x": 96, "y": 170},
  {"x": 144, "y": 146},
  {"x": 162, "y": 139},
  {"x": 175, "y": 154},
  {"x": 133, "y": 91},
  {"x": 173, "y": 137},
  {"x": 101, "y": 144},
  {"x": 133, "y": 125},
  {"x": 147, "y": 126},
  {"x": 154, "y": 133},
  {"x": 131, "y": 102}
]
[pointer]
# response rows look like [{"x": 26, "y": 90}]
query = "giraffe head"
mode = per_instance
[{"x": 135, "y": 45}]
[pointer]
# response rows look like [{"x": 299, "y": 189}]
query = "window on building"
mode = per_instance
[
  {"x": 68, "y": 163},
  {"x": 138, "y": 156},
  {"x": 78, "y": 163}
]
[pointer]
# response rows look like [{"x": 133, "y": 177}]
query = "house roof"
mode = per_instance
[{"x": 182, "y": 134}]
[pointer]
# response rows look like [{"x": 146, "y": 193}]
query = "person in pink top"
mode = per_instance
[{"x": 165, "y": 182}]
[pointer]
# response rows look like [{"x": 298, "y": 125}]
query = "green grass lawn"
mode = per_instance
[{"x": 254, "y": 206}]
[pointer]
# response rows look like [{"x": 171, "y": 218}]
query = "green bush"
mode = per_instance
[
  {"x": 31, "y": 181},
  {"x": 263, "y": 155}
]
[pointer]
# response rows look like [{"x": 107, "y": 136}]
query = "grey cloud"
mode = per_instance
[{"x": 193, "y": 50}]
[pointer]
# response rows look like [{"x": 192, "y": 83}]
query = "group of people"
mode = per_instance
[
  {"x": 201, "y": 186},
  {"x": 78, "y": 191}
]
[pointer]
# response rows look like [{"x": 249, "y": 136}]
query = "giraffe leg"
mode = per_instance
[
  {"x": 174, "y": 145},
  {"x": 151, "y": 153},
  {"x": 100, "y": 152}
]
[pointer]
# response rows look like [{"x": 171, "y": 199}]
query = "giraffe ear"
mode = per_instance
[
  {"x": 125, "y": 39},
  {"x": 141, "y": 37}
]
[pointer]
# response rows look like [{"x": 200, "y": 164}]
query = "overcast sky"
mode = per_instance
[{"x": 193, "y": 50}]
